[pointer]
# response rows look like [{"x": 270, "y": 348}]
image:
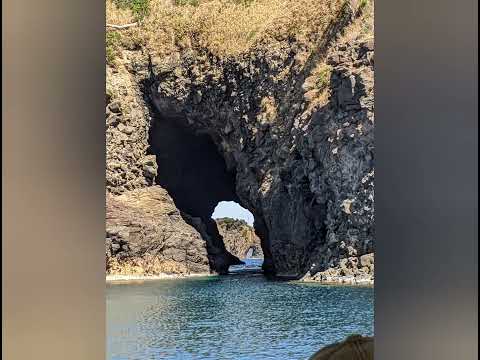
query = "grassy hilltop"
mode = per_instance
[{"x": 223, "y": 27}]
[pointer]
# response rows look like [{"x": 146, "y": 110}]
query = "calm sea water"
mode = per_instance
[{"x": 237, "y": 317}]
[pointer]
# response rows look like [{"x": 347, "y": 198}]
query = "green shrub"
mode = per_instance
[
  {"x": 186, "y": 2},
  {"x": 197, "y": 2},
  {"x": 112, "y": 46},
  {"x": 362, "y": 4},
  {"x": 140, "y": 8},
  {"x": 323, "y": 78},
  {"x": 231, "y": 223},
  {"x": 244, "y": 2}
]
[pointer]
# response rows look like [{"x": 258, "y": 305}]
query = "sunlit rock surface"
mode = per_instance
[{"x": 287, "y": 132}]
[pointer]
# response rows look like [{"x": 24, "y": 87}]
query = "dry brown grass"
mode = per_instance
[
  {"x": 125, "y": 268},
  {"x": 363, "y": 27},
  {"x": 317, "y": 85},
  {"x": 224, "y": 27},
  {"x": 268, "y": 110},
  {"x": 116, "y": 15}
]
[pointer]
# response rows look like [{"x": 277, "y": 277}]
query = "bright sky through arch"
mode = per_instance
[{"x": 232, "y": 210}]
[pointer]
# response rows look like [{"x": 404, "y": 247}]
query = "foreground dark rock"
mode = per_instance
[{"x": 355, "y": 347}]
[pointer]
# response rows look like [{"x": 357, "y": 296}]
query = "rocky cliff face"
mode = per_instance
[
  {"x": 299, "y": 136},
  {"x": 239, "y": 238},
  {"x": 135, "y": 195},
  {"x": 292, "y": 122},
  {"x": 128, "y": 120},
  {"x": 147, "y": 235}
]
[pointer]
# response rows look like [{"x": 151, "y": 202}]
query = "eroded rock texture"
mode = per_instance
[
  {"x": 193, "y": 172},
  {"x": 190, "y": 169},
  {"x": 128, "y": 166},
  {"x": 239, "y": 238},
  {"x": 303, "y": 160},
  {"x": 286, "y": 130},
  {"x": 147, "y": 235}
]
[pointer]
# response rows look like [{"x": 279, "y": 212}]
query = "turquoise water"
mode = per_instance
[{"x": 241, "y": 317}]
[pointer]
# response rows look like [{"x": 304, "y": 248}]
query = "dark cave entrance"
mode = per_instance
[{"x": 194, "y": 173}]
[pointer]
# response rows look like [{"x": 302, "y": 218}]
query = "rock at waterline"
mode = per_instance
[{"x": 355, "y": 347}]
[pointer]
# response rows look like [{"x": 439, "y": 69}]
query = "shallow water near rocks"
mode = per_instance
[{"x": 242, "y": 316}]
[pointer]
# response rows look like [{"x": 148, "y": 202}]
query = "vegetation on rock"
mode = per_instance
[
  {"x": 285, "y": 90},
  {"x": 222, "y": 27},
  {"x": 239, "y": 237}
]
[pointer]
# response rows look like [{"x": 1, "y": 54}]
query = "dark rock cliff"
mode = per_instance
[
  {"x": 189, "y": 166},
  {"x": 292, "y": 123},
  {"x": 303, "y": 163}
]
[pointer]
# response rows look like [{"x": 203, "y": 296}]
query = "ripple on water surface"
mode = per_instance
[{"x": 241, "y": 317}]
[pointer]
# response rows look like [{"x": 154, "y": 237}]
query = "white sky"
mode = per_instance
[{"x": 232, "y": 210}]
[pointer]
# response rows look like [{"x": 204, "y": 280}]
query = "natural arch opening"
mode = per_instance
[
  {"x": 194, "y": 173},
  {"x": 232, "y": 210},
  {"x": 235, "y": 224}
]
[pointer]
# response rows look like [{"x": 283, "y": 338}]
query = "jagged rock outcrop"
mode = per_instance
[
  {"x": 147, "y": 235},
  {"x": 299, "y": 136},
  {"x": 239, "y": 238},
  {"x": 291, "y": 119},
  {"x": 128, "y": 166}
]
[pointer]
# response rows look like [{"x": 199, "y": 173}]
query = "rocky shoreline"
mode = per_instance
[
  {"x": 129, "y": 278},
  {"x": 352, "y": 271},
  {"x": 334, "y": 280},
  {"x": 339, "y": 280}
]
